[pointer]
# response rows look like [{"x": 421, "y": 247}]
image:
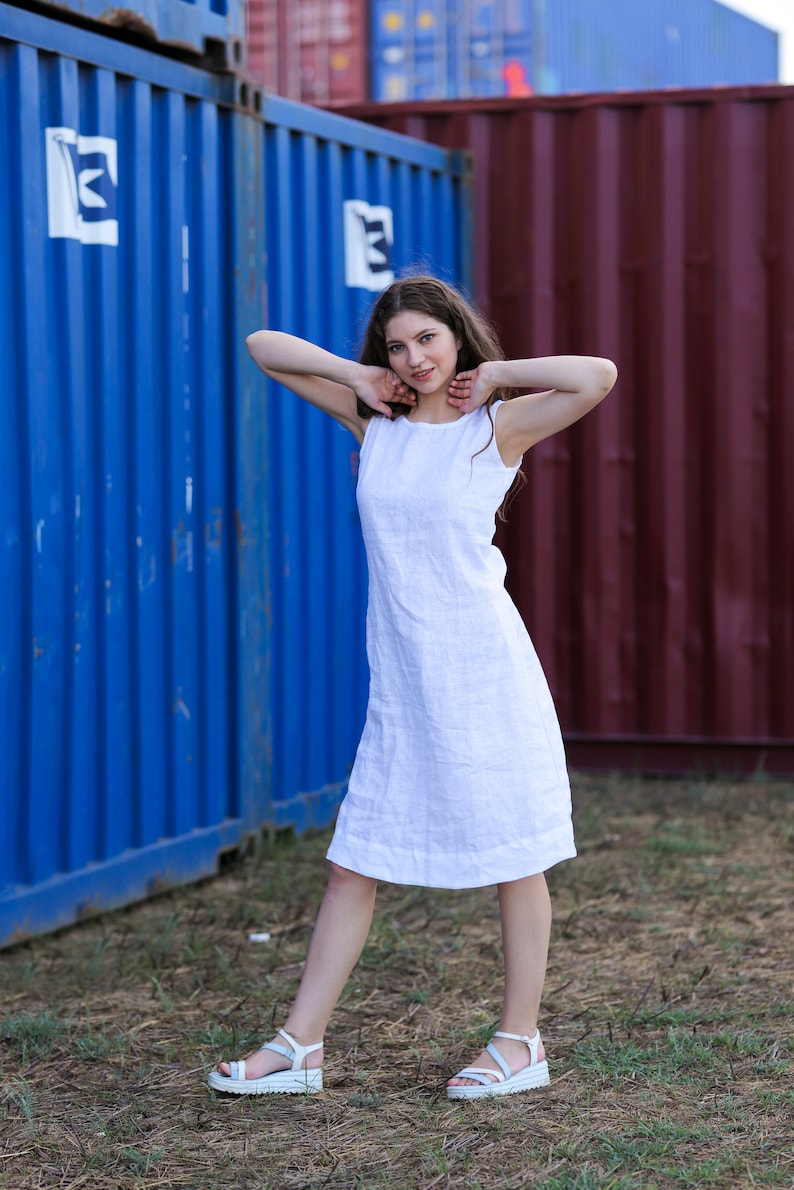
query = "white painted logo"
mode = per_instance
[
  {"x": 82, "y": 179},
  {"x": 369, "y": 235}
]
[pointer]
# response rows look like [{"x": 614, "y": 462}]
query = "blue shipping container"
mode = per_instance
[
  {"x": 402, "y": 206},
  {"x": 592, "y": 46},
  {"x": 215, "y": 28},
  {"x": 181, "y": 579},
  {"x": 445, "y": 49}
]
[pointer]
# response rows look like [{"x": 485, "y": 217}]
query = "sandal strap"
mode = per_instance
[
  {"x": 498, "y": 1059},
  {"x": 482, "y": 1074},
  {"x": 533, "y": 1043},
  {"x": 296, "y": 1053},
  {"x": 278, "y": 1049}
]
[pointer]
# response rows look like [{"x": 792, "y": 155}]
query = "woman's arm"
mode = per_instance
[
  {"x": 574, "y": 384},
  {"x": 324, "y": 379}
]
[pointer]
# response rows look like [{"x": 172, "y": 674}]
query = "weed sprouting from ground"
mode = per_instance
[{"x": 667, "y": 1019}]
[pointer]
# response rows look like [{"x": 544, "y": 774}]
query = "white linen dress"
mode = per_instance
[{"x": 459, "y": 778}]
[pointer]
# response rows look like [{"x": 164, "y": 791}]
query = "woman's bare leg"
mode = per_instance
[
  {"x": 338, "y": 939},
  {"x": 525, "y": 908}
]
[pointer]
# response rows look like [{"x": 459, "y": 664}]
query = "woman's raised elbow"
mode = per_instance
[
  {"x": 251, "y": 342},
  {"x": 606, "y": 374},
  {"x": 260, "y": 347}
]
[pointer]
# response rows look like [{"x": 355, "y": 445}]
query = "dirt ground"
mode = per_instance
[{"x": 668, "y": 1020}]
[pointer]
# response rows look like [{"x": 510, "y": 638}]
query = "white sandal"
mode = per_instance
[
  {"x": 502, "y": 1082},
  {"x": 295, "y": 1081}
]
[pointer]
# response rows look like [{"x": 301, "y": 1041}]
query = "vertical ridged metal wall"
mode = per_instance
[
  {"x": 314, "y": 163},
  {"x": 118, "y": 703},
  {"x": 587, "y": 45},
  {"x": 163, "y": 634},
  {"x": 652, "y": 551},
  {"x": 456, "y": 49}
]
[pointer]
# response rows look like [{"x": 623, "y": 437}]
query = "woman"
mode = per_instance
[{"x": 459, "y": 778}]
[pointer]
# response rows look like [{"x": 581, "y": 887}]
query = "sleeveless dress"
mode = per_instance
[{"x": 459, "y": 778}]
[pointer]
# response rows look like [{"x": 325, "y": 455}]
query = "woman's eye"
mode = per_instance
[
  {"x": 395, "y": 347},
  {"x": 426, "y": 337}
]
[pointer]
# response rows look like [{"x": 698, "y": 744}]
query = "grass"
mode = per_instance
[{"x": 668, "y": 1018}]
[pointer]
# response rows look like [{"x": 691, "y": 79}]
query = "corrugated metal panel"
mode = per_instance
[
  {"x": 436, "y": 49},
  {"x": 652, "y": 552},
  {"x": 414, "y": 49},
  {"x": 118, "y": 510},
  {"x": 309, "y": 50},
  {"x": 272, "y": 47},
  {"x": 591, "y": 46},
  {"x": 143, "y": 638},
  {"x": 316, "y": 164},
  {"x": 215, "y": 28}
]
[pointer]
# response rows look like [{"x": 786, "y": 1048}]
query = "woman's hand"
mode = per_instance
[
  {"x": 469, "y": 390},
  {"x": 375, "y": 386}
]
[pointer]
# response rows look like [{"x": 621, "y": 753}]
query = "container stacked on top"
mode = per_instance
[
  {"x": 209, "y": 30},
  {"x": 314, "y": 51},
  {"x": 347, "y": 51}
]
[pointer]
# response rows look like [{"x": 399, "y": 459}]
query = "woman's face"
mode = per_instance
[{"x": 422, "y": 351}]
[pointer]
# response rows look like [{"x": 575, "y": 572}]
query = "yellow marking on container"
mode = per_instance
[{"x": 395, "y": 87}]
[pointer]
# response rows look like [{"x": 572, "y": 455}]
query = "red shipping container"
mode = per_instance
[
  {"x": 652, "y": 550},
  {"x": 314, "y": 51}
]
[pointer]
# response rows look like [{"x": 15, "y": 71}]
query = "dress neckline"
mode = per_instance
[{"x": 438, "y": 425}]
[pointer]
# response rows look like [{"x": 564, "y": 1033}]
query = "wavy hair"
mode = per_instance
[{"x": 424, "y": 294}]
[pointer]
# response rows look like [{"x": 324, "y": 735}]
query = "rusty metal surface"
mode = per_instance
[
  {"x": 652, "y": 551},
  {"x": 206, "y": 28}
]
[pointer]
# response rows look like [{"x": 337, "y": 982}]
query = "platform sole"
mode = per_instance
[
  {"x": 525, "y": 1080},
  {"x": 282, "y": 1082}
]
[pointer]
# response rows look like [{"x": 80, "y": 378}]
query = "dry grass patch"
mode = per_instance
[{"x": 667, "y": 1018}]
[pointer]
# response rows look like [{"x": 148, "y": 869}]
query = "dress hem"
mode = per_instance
[{"x": 509, "y": 873}]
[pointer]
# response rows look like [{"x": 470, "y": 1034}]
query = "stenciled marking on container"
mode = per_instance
[
  {"x": 82, "y": 181},
  {"x": 369, "y": 236}
]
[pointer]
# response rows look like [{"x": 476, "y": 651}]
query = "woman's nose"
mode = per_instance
[{"x": 415, "y": 354}]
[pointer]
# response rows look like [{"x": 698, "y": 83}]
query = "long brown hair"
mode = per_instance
[
  {"x": 428, "y": 295},
  {"x": 423, "y": 294}
]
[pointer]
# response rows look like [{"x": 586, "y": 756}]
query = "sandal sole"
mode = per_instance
[
  {"x": 525, "y": 1080},
  {"x": 282, "y": 1082}
]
